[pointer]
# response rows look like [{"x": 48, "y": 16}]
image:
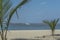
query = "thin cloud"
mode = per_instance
[{"x": 43, "y": 3}]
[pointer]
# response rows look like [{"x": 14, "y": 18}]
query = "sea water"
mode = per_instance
[{"x": 30, "y": 27}]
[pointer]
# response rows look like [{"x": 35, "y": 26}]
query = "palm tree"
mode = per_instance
[
  {"x": 52, "y": 24},
  {"x": 6, "y": 13}
]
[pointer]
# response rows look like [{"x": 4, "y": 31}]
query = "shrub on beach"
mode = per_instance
[{"x": 52, "y": 24}]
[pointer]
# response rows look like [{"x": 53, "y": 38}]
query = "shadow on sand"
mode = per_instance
[
  {"x": 24, "y": 39},
  {"x": 56, "y": 37}
]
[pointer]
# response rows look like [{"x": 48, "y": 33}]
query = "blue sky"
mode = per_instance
[{"x": 36, "y": 11}]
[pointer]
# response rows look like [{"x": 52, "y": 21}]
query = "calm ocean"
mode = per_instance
[{"x": 30, "y": 27}]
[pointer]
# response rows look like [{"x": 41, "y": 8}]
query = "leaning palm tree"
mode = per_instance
[
  {"x": 6, "y": 13},
  {"x": 52, "y": 24}
]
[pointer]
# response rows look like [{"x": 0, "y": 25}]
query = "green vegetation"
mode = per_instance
[
  {"x": 52, "y": 24},
  {"x": 6, "y": 13}
]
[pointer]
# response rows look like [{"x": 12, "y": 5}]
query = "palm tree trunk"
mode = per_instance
[{"x": 52, "y": 32}]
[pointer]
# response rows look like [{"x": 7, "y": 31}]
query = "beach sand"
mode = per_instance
[{"x": 29, "y": 34}]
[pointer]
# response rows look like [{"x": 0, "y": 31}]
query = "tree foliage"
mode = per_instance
[
  {"x": 6, "y": 13},
  {"x": 52, "y": 24}
]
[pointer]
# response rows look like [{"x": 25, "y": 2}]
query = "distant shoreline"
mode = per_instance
[{"x": 36, "y": 24}]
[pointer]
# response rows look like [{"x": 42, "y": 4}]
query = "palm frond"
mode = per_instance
[
  {"x": 48, "y": 23},
  {"x": 51, "y": 23},
  {"x": 6, "y": 6},
  {"x": 56, "y": 21},
  {"x": 0, "y": 8},
  {"x": 17, "y": 14},
  {"x": 13, "y": 10}
]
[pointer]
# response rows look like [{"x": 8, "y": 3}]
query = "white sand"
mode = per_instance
[{"x": 29, "y": 33}]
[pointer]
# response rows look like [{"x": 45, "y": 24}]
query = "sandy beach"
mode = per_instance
[{"x": 29, "y": 34}]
